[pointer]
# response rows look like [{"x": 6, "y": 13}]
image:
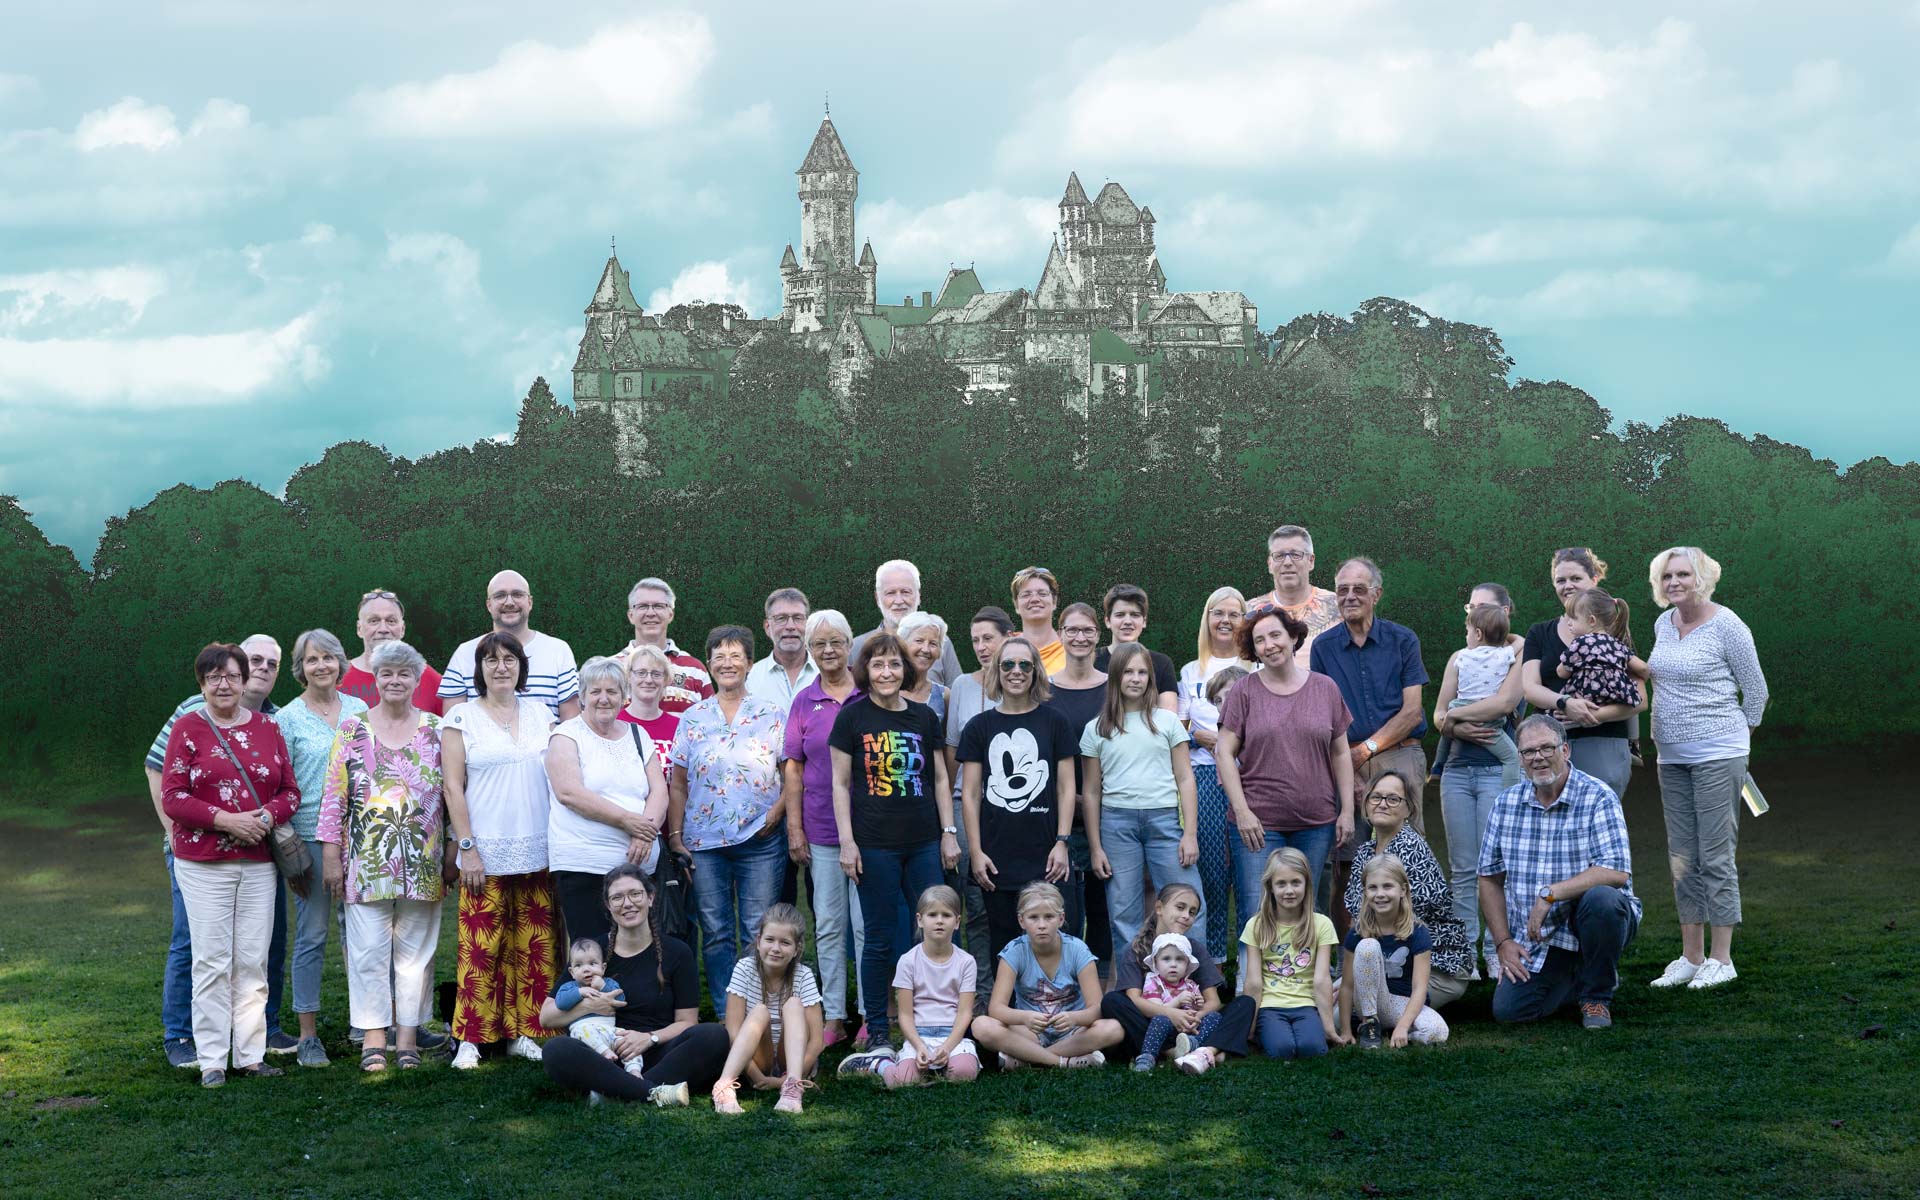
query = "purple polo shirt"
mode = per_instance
[{"x": 808, "y": 724}]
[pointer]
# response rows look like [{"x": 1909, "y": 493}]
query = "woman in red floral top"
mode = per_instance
[{"x": 222, "y": 822}]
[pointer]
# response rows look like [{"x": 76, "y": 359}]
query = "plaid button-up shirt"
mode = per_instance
[{"x": 1534, "y": 846}]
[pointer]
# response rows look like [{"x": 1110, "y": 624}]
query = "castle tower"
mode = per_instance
[
  {"x": 611, "y": 315},
  {"x": 825, "y": 277}
]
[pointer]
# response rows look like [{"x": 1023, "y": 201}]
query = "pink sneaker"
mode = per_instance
[
  {"x": 725, "y": 1098},
  {"x": 1198, "y": 1062},
  {"x": 790, "y": 1089}
]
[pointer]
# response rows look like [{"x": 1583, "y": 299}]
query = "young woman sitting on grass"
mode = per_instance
[
  {"x": 1045, "y": 1009},
  {"x": 1175, "y": 909},
  {"x": 1388, "y": 959},
  {"x": 774, "y": 1016}
]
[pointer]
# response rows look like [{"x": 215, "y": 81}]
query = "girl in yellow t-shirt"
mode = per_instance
[{"x": 1287, "y": 949}]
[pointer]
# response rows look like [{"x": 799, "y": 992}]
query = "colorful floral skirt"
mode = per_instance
[{"x": 508, "y": 958}]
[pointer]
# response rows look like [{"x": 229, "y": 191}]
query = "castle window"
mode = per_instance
[
  {"x": 626, "y": 384},
  {"x": 805, "y": 209}
]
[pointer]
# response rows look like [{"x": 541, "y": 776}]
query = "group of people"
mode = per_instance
[{"x": 1042, "y": 858}]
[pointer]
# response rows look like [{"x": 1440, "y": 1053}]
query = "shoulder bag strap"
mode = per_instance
[{"x": 234, "y": 759}]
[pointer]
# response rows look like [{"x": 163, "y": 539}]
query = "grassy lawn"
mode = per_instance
[{"x": 1765, "y": 1088}]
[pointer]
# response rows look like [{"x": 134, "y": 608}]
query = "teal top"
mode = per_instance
[{"x": 310, "y": 743}]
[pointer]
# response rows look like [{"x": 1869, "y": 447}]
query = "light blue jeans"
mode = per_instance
[
  {"x": 1139, "y": 841},
  {"x": 733, "y": 887},
  {"x": 836, "y": 914},
  {"x": 310, "y": 917},
  {"x": 1466, "y": 797},
  {"x": 1316, "y": 842}
]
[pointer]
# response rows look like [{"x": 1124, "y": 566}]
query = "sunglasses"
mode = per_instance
[{"x": 1024, "y": 665}]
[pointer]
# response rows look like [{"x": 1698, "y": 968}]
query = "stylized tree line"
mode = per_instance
[{"x": 1390, "y": 433}]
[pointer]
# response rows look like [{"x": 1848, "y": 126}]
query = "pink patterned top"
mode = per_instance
[{"x": 383, "y": 808}]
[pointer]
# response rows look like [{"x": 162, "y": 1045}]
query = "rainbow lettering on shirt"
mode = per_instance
[{"x": 894, "y": 763}]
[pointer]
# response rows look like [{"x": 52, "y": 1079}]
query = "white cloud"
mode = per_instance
[
  {"x": 712, "y": 282},
  {"x": 1587, "y": 294},
  {"x": 161, "y": 373},
  {"x": 219, "y": 116},
  {"x": 1002, "y": 234},
  {"x": 1548, "y": 238},
  {"x": 17, "y": 88},
  {"x": 1903, "y": 257},
  {"x": 111, "y": 296},
  {"x": 1283, "y": 244},
  {"x": 131, "y": 122},
  {"x": 637, "y": 74},
  {"x": 455, "y": 265}
]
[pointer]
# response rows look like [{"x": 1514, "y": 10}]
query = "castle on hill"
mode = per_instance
[{"x": 1100, "y": 310}]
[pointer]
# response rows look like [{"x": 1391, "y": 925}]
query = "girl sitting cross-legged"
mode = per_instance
[
  {"x": 1045, "y": 1009},
  {"x": 774, "y": 1015}
]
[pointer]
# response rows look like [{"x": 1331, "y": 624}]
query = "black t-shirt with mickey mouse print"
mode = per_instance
[{"x": 1019, "y": 794}]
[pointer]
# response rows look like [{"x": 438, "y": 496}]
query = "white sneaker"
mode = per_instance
[
  {"x": 1078, "y": 1061},
  {"x": 1182, "y": 1045},
  {"x": 1009, "y": 1063},
  {"x": 524, "y": 1047},
  {"x": 467, "y": 1057},
  {"x": 1678, "y": 971},
  {"x": 1197, "y": 1063},
  {"x": 670, "y": 1095},
  {"x": 595, "y": 1099},
  {"x": 1712, "y": 973}
]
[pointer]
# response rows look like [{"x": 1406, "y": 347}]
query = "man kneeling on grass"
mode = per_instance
[{"x": 1556, "y": 885}]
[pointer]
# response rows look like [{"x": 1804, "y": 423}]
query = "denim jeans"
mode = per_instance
[
  {"x": 310, "y": 917},
  {"x": 836, "y": 921},
  {"x": 890, "y": 885},
  {"x": 1315, "y": 842},
  {"x": 733, "y": 887},
  {"x": 176, "y": 985},
  {"x": 1290, "y": 1032},
  {"x": 1139, "y": 841},
  {"x": 1604, "y": 921},
  {"x": 1466, "y": 797}
]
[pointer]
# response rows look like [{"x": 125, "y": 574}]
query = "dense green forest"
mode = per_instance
[{"x": 1389, "y": 433}]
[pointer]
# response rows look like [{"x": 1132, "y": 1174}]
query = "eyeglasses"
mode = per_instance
[
  {"x": 626, "y": 899},
  {"x": 818, "y": 644},
  {"x": 1023, "y": 665},
  {"x": 227, "y": 678},
  {"x": 1539, "y": 751},
  {"x": 653, "y": 673},
  {"x": 1289, "y": 555},
  {"x": 649, "y": 606},
  {"x": 378, "y": 594},
  {"x": 1079, "y": 635},
  {"x": 1352, "y": 589},
  {"x": 1384, "y": 798}
]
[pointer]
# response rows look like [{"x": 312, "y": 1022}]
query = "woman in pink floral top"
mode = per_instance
[
  {"x": 381, "y": 821},
  {"x": 223, "y": 862}
]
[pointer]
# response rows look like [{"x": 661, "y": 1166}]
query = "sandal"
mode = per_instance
[
  {"x": 408, "y": 1059},
  {"x": 372, "y": 1059}
]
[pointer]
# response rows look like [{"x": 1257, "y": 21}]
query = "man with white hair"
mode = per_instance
[
  {"x": 552, "y": 676},
  {"x": 176, "y": 989},
  {"x": 896, "y": 589},
  {"x": 383, "y": 619},
  {"x": 650, "y": 611}
]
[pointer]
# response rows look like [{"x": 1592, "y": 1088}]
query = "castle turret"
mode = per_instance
[
  {"x": 826, "y": 278},
  {"x": 870, "y": 271}
]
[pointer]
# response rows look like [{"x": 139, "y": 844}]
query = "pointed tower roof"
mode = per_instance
[
  {"x": 866, "y": 255},
  {"x": 788, "y": 261},
  {"x": 614, "y": 294},
  {"x": 827, "y": 153},
  {"x": 1060, "y": 284},
  {"x": 1115, "y": 207},
  {"x": 1146, "y": 214},
  {"x": 1075, "y": 193}
]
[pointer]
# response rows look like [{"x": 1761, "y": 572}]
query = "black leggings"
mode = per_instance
[
  {"x": 579, "y": 893},
  {"x": 1229, "y": 1037},
  {"x": 694, "y": 1058}
]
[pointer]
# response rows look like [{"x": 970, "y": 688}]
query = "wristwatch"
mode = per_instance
[
  {"x": 466, "y": 843},
  {"x": 1063, "y": 838},
  {"x": 1372, "y": 746},
  {"x": 950, "y": 829},
  {"x": 1546, "y": 893},
  {"x": 1560, "y": 704}
]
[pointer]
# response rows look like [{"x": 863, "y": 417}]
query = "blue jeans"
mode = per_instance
[
  {"x": 1216, "y": 833},
  {"x": 1466, "y": 797},
  {"x": 1138, "y": 841},
  {"x": 1291, "y": 1032},
  {"x": 310, "y": 917},
  {"x": 1248, "y": 865},
  {"x": 1604, "y": 921},
  {"x": 733, "y": 887},
  {"x": 890, "y": 885},
  {"x": 176, "y": 985}
]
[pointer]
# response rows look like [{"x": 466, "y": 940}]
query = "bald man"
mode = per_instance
[{"x": 552, "y": 677}]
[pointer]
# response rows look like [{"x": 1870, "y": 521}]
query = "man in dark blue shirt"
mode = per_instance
[{"x": 1376, "y": 664}]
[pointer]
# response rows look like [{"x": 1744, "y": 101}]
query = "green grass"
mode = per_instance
[{"x": 1764, "y": 1088}]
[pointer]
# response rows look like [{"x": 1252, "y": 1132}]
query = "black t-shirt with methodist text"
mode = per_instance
[
  {"x": 892, "y": 784},
  {"x": 1019, "y": 795}
]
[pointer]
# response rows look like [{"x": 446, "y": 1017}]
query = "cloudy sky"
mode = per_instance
[{"x": 232, "y": 234}]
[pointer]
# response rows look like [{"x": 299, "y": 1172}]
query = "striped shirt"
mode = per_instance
[
  {"x": 552, "y": 677},
  {"x": 1535, "y": 846}
]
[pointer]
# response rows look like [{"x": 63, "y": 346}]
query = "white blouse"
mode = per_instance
[
  {"x": 507, "y": 792},
  {"x": 616, "y": 769}
]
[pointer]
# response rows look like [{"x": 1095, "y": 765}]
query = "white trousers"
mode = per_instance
[
  {"x": 390, "y": 945},
  {"x": 1371, "y": 998},
  {"x": 230, "y": 919}
]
